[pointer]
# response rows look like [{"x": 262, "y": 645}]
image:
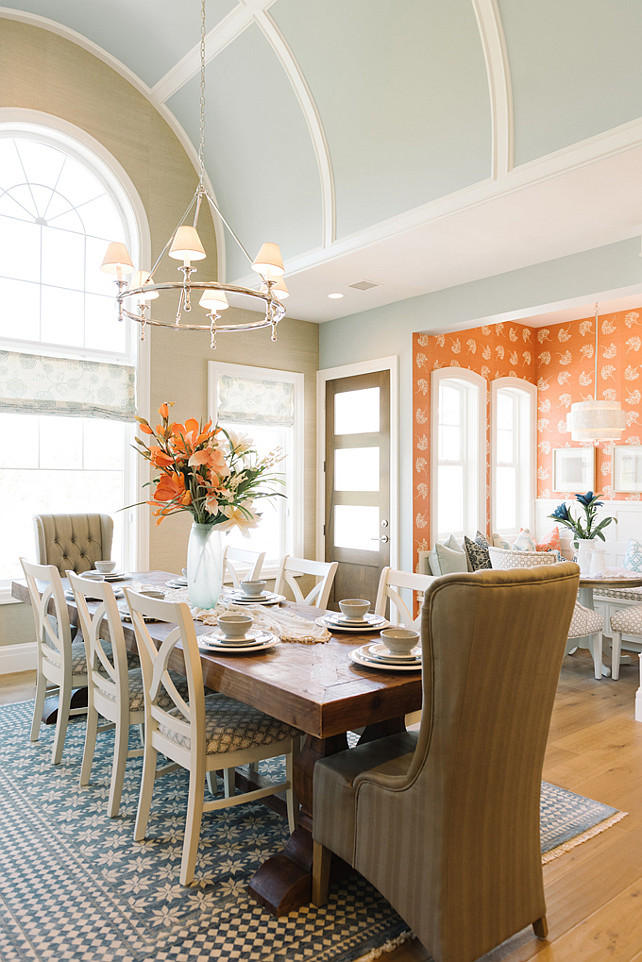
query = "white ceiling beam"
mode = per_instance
[{"x": 500, "y": 90}]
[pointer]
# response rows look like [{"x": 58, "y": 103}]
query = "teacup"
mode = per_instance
[
  {"x": 152, "y": 593},
  {"x": 399, "y": 641},
  {"x": 234, "y": 625},
  {"x": 253, "y": 588},
  {"x": 104, "y": 567},
  {"x": 355, "y": 608},
  {"x": 184, "y": 572}
]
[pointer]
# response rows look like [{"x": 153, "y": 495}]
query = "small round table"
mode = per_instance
[{"x": 587, "y": 584}]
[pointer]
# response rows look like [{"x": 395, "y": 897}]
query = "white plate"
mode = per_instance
[
  {"x": 364, "y": 662},
  {"x": 238, "y": 649},
  {"x": 176, "y": 583},
  {"x": 325, "y": 622},
  {"x": 381, "y": 653},
  {"x": 369, "y": 620},
  {"x": 118, "y": 593},
  {"x": 271, "y": 599},
  {"x": 126, "y": 616},
  {"x": 251, "y": 636},
  {"x": 112, "y": 576}
]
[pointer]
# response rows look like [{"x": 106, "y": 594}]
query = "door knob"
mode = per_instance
[{"x": 384, "y": 538}]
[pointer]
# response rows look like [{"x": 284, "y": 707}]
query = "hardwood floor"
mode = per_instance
[{"x": 594, "y": 893}]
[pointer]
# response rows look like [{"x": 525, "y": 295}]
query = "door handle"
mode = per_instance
[{"x": 384, "y": 538}]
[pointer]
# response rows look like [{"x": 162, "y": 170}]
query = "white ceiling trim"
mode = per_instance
[
  {"x": 312, "y": 118},
  {"x": 35, "y": 20},
  {"x": 499, "y": 85}
]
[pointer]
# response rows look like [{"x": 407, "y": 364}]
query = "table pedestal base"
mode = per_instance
[{"x": 79, "y": 699}]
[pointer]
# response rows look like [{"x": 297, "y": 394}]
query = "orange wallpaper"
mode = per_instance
[{"x": 560, "y": 359}]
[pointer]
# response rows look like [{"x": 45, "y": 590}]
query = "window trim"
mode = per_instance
[
  {"x": 480, "y": 384},
  {"x": 297, "y": 379},
  {"x": 528, "y": 389}
]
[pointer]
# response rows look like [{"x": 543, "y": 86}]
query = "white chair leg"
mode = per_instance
[
  {"x": 616, "y": 651},
  {"x": 146, "y": 791},
  {"x": 193, "y": 824},
  {"x": 90, "y": 746},
  {"x": 121, "y": 745},
  {"x": 38, "y": 707},
  {"x": 229, "y": 779},
  {"x": 62, "y": 720},
  {"x": 141, "y": 732}
]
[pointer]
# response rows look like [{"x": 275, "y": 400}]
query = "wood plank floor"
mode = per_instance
[{"x": 594, "y": 893}]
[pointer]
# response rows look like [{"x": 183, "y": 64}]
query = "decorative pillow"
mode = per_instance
[
  {"x": 524, "y": 541},
  {"x": 499, "y": 542},
  {"x": 454, "y": 545},
  {"x": 478, "y": 556},
  {"x": 449, "y": 560},
  {"x": 551, "y": 542},
  {"x": 481, "y": 540},
  {"x": 633, "y": 557}
]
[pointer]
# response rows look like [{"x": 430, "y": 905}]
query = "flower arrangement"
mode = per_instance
[
  {"x": 583, "y": 528},
  {"x": 214, "y": 474}
]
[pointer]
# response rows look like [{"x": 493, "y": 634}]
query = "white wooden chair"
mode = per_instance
[
  {"x": 61, "y": 662},
  {"x": 201, "y": 734},
  {"x": 115, "y": 689},
  {"x": 252, "y": 562},
  {"x": 626, "y": 626},
  {"x": 390, "y": 582},
  {"x": 320, "y": 593}
]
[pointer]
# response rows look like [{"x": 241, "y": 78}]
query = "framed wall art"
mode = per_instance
[
  {"x": 573, "y": 469},
  {"x": 627, "y": 467}
]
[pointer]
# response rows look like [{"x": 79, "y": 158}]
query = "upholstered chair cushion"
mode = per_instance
[
  {"x": 585, "y": 621},
  {"x": 137, "y": 691},
  {"x": 73, "y": 542},
  {"x": 628, "y": 620}
]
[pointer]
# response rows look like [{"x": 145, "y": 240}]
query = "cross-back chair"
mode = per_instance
[
  {"x": 320, "y": 593},
  {"x": 251, "y": 562},
  {"x": 61, "y": 661},
  {"x": 198, "y": 733},
  {"x": 390, "y": 583}
]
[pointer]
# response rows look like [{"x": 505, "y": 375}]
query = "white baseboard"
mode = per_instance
[{"x": 17, "y": 658}]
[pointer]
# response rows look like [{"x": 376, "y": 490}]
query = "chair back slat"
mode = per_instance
[
  {"x": 53, "y": 635},
  {"x": 242, "y": 556},
  {"x": 390, "y": 581},
  {"x": 323, "y": 570},
  {"x": 108, "y": 672}
]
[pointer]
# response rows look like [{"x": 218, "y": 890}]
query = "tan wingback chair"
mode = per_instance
[
  {"x": 445, "y": 822},
  {"x": 73, "y": 541}
]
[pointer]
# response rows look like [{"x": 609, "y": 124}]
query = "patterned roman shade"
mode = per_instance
[{"x": 249, "y": 400}]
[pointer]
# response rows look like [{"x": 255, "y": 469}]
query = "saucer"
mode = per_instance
[
  {"x": 252, "y": 636},
  {"x": 222, "y": 648},
  {"x": 381, "y": 653},
  {"x": 359, "y": 657},
  {"x": 176, "y": 583},
  {"x": 118, "y": 593},
  {"x": 112, "y": 576},
  {"x": 371, "y": 623},
  {"x": 270, "y": 598}
]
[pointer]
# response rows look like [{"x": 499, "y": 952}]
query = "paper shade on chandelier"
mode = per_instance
[
  {"x": 135, "y": 294},
  {"x": 595, "y": 420}
]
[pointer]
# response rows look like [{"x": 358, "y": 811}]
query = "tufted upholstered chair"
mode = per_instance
[
  {"x": 445, "y": 822},
  {"x": 201, "y": 734},
  {"x": 73, "y": 541},
  {"x": 587, "y": 625}
]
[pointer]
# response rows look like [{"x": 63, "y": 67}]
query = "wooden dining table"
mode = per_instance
[{"x": 314, "y": 687}]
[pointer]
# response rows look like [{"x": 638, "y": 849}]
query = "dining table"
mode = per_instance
[{"x": 318, "y": 689}]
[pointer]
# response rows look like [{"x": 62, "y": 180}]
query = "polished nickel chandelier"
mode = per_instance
[
  {"x": 134, "y": 296},
  {"x": 596, "y": 420}
]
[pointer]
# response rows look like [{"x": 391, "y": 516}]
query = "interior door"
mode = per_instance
[{"x": 357, "y": 482}]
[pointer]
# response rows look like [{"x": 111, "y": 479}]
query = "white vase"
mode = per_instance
[
  {"x": 204, "y": 565},
  {"x": 585, "y": 555}
]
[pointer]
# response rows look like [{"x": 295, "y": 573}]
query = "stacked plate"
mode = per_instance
[
  {"x": 337, "y": 621},
  {"x": 177, "y": 582},
  {"x": 238, "y": 597},
  {"x": 376, "y": 655},
  {"x": 69, "y": 595},
  {"x": 253, "y": 640},
  {"x": 112, "y": 576}
]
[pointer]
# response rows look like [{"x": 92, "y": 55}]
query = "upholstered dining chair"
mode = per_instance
[
  {"x": 445, "y": 822},
  {"x": 626, "y": 626},
  {"x": 587, "y": 625},
  {"x": 251, "y": 562},
  {"x": 324, "y": 571},
  {"x": 200, "y": 734},
  {"x": 61, "y": 662},
  {"x": 73, "y": 541}
]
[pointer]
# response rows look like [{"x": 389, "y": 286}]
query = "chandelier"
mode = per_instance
[
  {"x": 134, "y": 296},
  {"x": 596, "y": 420}
]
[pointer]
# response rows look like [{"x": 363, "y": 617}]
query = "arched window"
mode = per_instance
[
  {"x": 67, "y": 386},
  {"x": 513, "y": 406},
  {"x": 458, "y": 427}
]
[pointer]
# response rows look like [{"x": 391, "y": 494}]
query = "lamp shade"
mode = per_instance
[
  {"x": 596, "y": 421},
  {"x": 141, "y": 279},
  {"x": 214, "y": 301},
  {"x": 117, "y": 260},
  {"x": 186, "y": 245},
  {"x": 269, "y": 262},
  {"x": 280, "y": 289}
]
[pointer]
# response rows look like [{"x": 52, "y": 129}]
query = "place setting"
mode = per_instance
[
  {"x": 398, "y": 650},
  {"x": 252, "y": 593},
  {"x": 180, "y": 581},
  {"x": 105, "y": 571},
  {"x": 234, "y": 634},
  {"x": 355, "y": 615}
]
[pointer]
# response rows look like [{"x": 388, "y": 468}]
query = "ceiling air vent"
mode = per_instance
[{"x": 363, "y": 285}]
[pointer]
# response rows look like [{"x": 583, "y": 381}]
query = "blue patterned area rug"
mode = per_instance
[{"x": 75, "y": 887}]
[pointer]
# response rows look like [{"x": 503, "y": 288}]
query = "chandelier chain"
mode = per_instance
[{"x": 201, "y": 145}]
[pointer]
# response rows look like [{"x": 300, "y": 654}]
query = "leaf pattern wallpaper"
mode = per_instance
[{"x": 560, "y": 360}]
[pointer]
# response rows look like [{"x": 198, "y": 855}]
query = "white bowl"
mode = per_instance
[
  {"x": 253, "y": 588},
  {"x": 399, "y": 641},
  {"x": 104, "y": 566},
  {"x": 234, "y": 625},
  {"x": 152, "y": 593},
  {"x": 355, "y": 608}
]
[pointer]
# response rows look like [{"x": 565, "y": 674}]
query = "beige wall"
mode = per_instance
[{"x": 42, "y": 71}]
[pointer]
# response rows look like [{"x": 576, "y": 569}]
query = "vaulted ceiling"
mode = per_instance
[{"x": 412, "y": 144}]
